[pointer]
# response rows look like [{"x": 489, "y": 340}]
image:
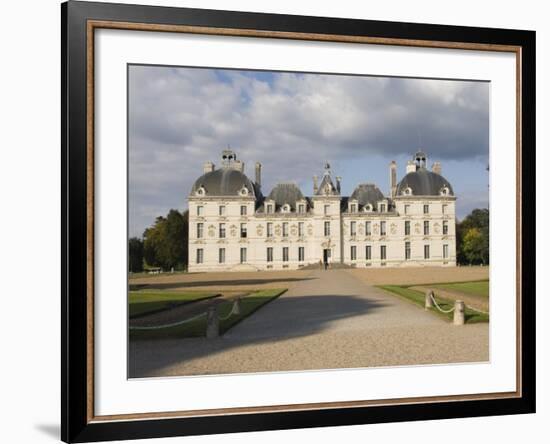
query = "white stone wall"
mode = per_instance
[{"x": 313, "y": 239}]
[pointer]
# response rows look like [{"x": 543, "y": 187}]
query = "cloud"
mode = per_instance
[{"x": 181, "y": 117}]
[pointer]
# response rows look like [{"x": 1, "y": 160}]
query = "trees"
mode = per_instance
[
  {"x": 165, "y": 242},
  {"x": 472, "y": 235},
  {"x": 135, "y": 255}
]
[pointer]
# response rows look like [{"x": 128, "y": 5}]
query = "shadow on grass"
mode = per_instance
[{"x": 282, "y": 319}]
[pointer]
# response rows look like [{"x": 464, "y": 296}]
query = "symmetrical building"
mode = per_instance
[{"x": 233, "y": 226}]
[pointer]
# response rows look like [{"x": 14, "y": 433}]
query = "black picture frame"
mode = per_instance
[{"x": 76, "y": 423}]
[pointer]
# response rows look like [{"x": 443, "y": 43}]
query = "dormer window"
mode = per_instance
[
  {"x": 201, "y": 191},
  {"x": 407, "y": 191},
  {"x": 286, "y": 208},
  {"x": 243, "y": 191},
  {"x": 444, "y": 191},
  {"x": 382, "y": 208},
  {"x": 368, "y": 208},
  {"x": 301, "y": 208},
  {"x": 269, "y": 208},
  {"x": 353, "y": 208}
]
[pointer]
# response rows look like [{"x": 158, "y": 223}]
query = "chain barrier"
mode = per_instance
[
  {"x": 438, "y": 307},
  {"x": 175, "y": 324},
  {"x": 476, "y": 309},
  {"x": 233, "y": 311}
]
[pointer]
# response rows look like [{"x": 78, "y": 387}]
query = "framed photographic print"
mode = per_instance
[{"x": 276, "y": 221}]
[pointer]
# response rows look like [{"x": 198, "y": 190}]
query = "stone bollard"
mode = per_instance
[
  {"x": 237, "y": 306},
  {"x": 458, "y": 318},
  {"x": 428, "y": 302},
  {"x": 212, "y": 322}
]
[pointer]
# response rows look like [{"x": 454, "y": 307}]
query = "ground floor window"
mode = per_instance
[
  {"x": 221, "y": 256},
  {"x": 269, "y": 254},
  {"x": 407, "y": 250},
  {"x": 285, "y": 254},
  {"x": 368, "y": 252},
  {"x": 353, "y": 253},
  {"x": 445, "y": 251},
  {"x": 243, "y": 255},
  {"x": 426, "y": 251},
  {"x": 301, "y": 254},
  {"x": 200, "y": 255},
  {"x": 383, "y": 252}
]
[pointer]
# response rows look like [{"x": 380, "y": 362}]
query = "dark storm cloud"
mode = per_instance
[{"x": 180, "y": 117}]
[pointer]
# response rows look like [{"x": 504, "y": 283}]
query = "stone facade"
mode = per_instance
[{"x": 232, "y": 226}]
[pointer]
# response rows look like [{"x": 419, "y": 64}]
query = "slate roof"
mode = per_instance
[
  {"x": 225, "y": 182},
  {"x": 423, "y": 182}
]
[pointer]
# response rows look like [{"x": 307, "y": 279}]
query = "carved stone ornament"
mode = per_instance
[{"x": 393, "y": 228}]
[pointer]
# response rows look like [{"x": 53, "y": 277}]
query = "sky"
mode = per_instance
[{"x": 293, "y": 123}]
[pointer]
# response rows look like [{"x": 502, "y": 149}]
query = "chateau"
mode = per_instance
[{"x": 233, "y": 226}]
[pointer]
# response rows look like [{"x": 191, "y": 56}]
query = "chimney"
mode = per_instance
[
  {"x": 338, "y": 180},
  {"x": 411, "y": 167},
  {"x": 258, "y": 174},
  {"x": 238, "y": 165},
  {"x": 208, "y": 167},
  {"x": 393, "y": 178},
  {"x": 436, "y": 168},
  {"x": 315, "y": 186}
]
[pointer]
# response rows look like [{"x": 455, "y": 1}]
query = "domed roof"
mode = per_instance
[
  {"x": 286, "y": 193},
  {"x": 424, "y": 183},
  {"x": 367, "y": 193},
  {"x": 225, "y": 182}
]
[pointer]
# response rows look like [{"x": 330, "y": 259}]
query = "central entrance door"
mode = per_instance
[{"x": 326, "y": 255}]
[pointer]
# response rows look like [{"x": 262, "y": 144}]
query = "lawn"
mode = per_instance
[
  {"x": 147, "y": 302},
  {"x": 479, "y": 288},
  {"x": 197, "y": 327},
  {"x": 418, "y": 298}
]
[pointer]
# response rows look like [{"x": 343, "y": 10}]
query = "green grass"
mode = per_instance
[
  {"x": 197, "y": 327},
  {"x": 418, "y": 298},
  {"x": 478, "y": 288},
  {"x": 147, "y": 302}
]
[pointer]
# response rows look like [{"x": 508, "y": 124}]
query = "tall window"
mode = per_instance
[
  {"x": 200, "y": 228},
  {"x": 352, "y": 208},
  {"x": 445, "y": 251},
  {"x": 222, "y": 210},
  {"x": 327, "y": 209},
  {"x": 200, "y": 255},
  {"x": 301, "y": 208},
  {"x": 301, "y": 254},
  {"x": 426, "y": 227},
  {"x": 383, "y": 252},
  {"x": 353, "y": 228},
  {"x": 269, "y": 208},
  {"x": 383, "y": 228},
  {"x": 243, "y": 230},
  {"x": 407, "y": 228},
  {"x": 222, "y": 230},
  {"x": 382, "y": 208},
  {"x": 269, "y": 229},
  {"x": 200, "y": 209},
  {"x": 445, "y": 227},
  {"x": 285, "y": 254},
  {"x": 367, "y": 228},
  {"x": 426, "y": 209},
  {"x": 300, "y": 229},
  {"x": 407, "y": 209},
  {"x": 243, "y": 210},
  {"x": 353, "y": 253},
  {"x": 243, "y": 255},
  {"x": 285, "y": 229},
  {"x": 327, "y": 228},
  {"x": 269, "y": 254},
  {"x": 407, "y": 250},
  {"x": 221, "y": 255},
  {"x": 426, "y": 251},
  {"x": 444, "y": 209}
]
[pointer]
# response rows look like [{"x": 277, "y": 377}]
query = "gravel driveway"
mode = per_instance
[{"x": 333, "y": 320}]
